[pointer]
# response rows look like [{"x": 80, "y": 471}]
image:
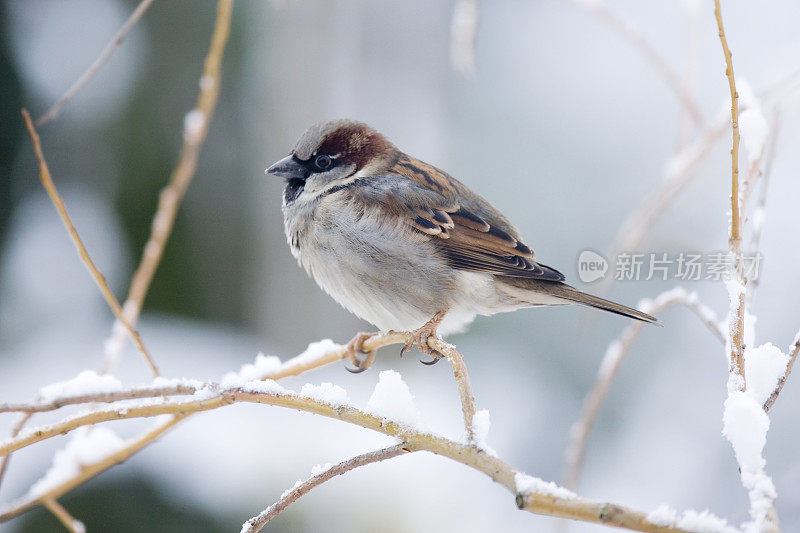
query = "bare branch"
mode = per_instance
[
  {"x": 462, "y": 381},
  {"x": 259, "y": 521},
  {"x": 793, "y": 350},
  {"x": 58, "y": 202},
  {"x": 98, "y": 63},
  {"x": 14, "y": 432},
  {"x": 73, "y": 525},
  {"x": 195, "y": 131}
]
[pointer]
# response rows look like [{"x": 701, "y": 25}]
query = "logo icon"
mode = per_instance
[{"x": 591, "y": 266}]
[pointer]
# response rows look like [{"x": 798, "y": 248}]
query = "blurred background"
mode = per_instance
[{"x": 564, "y": 127}]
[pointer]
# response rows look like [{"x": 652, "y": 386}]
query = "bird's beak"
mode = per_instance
[{"x": 288, "y": 168}]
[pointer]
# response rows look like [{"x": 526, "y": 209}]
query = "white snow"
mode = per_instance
[
  {"x": 265, "y": 386},
  {"x": 164, "y": 382},
  {"x": 529, "y": 484},
  {"x": 318, "y": 469},
  {"x": 647, "y": 305},
  {"x": 262, "y": 367},
  {"x": 691, "y": 520},
  {"x": 745, "y": 425},
  {"x": 664, "y": 515},
  {"x": 87, "y": 382},
  {"x": 610, "y": 359},
  {"x": 206, "y": 82},
  {"x": 265, "y": 366},
  {"x": 480, "y": 428},
  {"x": 752, "y": 123},
  {"x": 193, "y": 124},
  {"x": 753, "y": 128},
  {"x": 735, "y": 291},
  {"x": 764, "y": 366},
  {"x": 290, "y": 489},
  {"x": 392, "y": 400},
  {"x": 325, "y": 393},
  {"x": 314, "y": 351},
  {"x": 88, "y": 445}
]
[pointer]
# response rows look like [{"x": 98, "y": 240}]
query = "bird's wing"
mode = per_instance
[{"x": 470, "y": 233}]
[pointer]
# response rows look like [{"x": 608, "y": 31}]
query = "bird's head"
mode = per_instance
[{"x": 332, "y": 154}]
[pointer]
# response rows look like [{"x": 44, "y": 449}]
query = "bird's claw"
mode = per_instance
[
  {"x": 420, "y": 337},
  {"x": 432, "y": 362},
  {"x": 355, "y": 347}
]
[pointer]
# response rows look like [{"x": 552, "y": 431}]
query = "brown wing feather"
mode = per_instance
[{"x": 469, "y": 241}]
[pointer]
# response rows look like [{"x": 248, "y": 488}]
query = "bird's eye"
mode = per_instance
[{"x": 322, "y": 162}]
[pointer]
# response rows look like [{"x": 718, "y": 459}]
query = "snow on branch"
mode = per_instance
[{"x": 541, "y": 498}]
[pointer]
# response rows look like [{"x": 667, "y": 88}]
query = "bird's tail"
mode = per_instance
[
  {"x": 562, "y": 293},
  {"x": 574, "y": 295}
]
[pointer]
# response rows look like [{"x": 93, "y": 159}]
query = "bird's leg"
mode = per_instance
[
  {"x": 421, "y": 335},
  {"x": 356, "y": 346}
]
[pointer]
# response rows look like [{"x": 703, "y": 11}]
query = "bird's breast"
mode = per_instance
[{"x": 371, "y": 265}]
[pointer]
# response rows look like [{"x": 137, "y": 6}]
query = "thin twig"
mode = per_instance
[
  {"x": 58, "y": 202},
  {"x": 540, "y": 502},
  {"x": 628, "y": 31},
  {"x": 609, "y": 368},
  {"x": 73, "y": 525},
  {"x": 256, "y": 523},
  {"x": 98, "y": 63},
  {"x": 737, "y": 320},
  {"x": 462, "y": 382},
  {"x": 793, "y": 351},
  {"x": 102, "y": 397},
  {"x": 14, "y": 432},
  {"x": 170, "y": 198}
]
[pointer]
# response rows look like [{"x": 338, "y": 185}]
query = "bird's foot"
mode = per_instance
[
  {"x": 420, "y": 337},
  {"x": 356, "y": 347}
]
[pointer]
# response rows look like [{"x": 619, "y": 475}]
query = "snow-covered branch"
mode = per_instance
[{"x": 531, "y": 493}]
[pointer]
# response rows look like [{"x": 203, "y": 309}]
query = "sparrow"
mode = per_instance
[{"x": 404, "y": 245}]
